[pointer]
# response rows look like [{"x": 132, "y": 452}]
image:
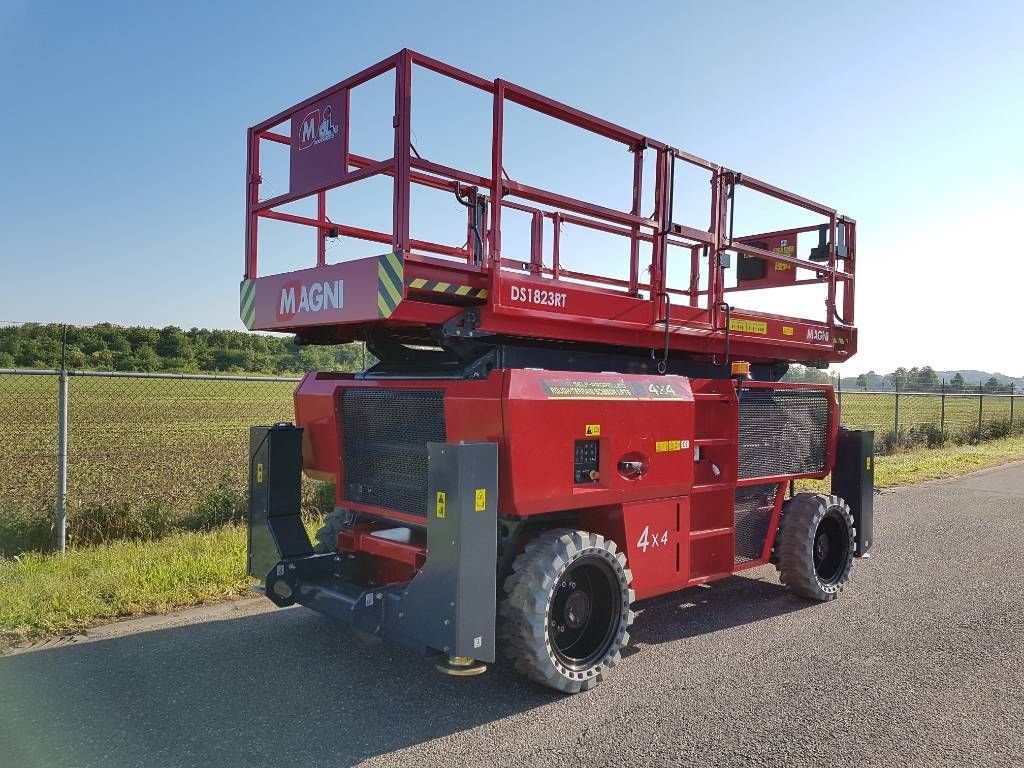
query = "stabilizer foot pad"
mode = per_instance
[{"x": 461, "y": 666}]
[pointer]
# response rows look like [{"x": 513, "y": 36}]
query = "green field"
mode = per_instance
[
  {"x": 132, "y": 439},
  {"x": 145, "y": 456}
]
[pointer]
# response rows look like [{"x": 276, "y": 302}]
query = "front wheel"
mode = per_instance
[
  {"x": 815, "y": 546},
  {"x": 567, "y": 609}
]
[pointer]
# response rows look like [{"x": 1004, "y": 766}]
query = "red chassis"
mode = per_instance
[{"x": 673, "y": 514}]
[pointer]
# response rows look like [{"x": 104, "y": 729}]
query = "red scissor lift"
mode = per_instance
[{"x": 537, "y": 447}]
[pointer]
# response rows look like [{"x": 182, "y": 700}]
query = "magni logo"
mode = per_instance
[
  {"x": 316, "y": 297},
  {"x": 317, "y": 127}
]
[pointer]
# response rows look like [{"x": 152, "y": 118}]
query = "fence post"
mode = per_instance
[
  {"x": 981, "y": 407},
  {"x": 839, "y": 391},
  {"x": 1012, "y": 386},
  {"x": 896, "y": 424},
  {"x": 942, "y": 411},
  {"x": 62, "y": 459}
]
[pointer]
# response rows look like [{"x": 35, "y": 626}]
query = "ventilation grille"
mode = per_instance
[
  {"x": 385, "y": 433},
  {"x": 783, "y": 432},
  {"x": 754, "y": 505}
]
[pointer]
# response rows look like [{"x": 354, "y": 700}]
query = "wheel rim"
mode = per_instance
[
  {"x": 585, "y": 609},
  {"x": 831, "y": 548}
]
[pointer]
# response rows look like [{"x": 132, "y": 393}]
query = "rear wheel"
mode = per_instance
[
  {"x": 815, "y": 546},
  {"x": 568, "y": 606}
]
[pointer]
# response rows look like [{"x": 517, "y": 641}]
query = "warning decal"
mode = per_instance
[
  {"x": 584, "y": 389},
  {"x": 668, "y": 446},
  {"x": 747, "y": 326},
  {"x": 441, "y": 502}
]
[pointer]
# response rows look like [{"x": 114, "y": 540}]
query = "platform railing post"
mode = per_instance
[
  {"x": 497, "y": 188},
  {"x": 252, "y": 196},
  {"x": 556, "y": 240},
  {"x": 403, "y": 142},
  {"x": 658, "y": 236},
  {"x": 830, "y": 300},
  {"x": 321, "y": 236},
  {"x": 634, "y": 238},
  {"x": 537, "y": 243},
  {"x": 695, "y": 252}
]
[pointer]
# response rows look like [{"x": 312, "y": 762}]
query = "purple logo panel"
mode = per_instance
[{"x": 318, "y": 157}]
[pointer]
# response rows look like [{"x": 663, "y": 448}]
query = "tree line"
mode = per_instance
[
  {"x": 107, "y": 347},
  {"x": 923, "y": 379}
]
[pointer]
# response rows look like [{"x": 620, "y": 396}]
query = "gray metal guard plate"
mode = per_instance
[{"x": 450, "y": 605}]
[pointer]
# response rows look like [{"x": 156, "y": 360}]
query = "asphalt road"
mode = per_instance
[{"x": 920, "y": 663}]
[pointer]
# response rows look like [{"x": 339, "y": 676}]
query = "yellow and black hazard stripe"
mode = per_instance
[
  {"x": 390, "y": 283},
  {"x": 247, "y": 311},
  {"x": 451, "y": 289}
]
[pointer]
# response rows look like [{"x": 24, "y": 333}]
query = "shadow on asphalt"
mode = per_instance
[
  {"x": 709, "y": 608},
  {"x": 285, "y": 688}
]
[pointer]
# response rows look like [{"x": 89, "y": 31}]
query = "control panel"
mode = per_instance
[{"x": 586, "y": 459}]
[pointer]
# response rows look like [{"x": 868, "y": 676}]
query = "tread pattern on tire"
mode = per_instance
[
  {"x": 524, "y": 613},
  {"x": 794, "y": 549}
]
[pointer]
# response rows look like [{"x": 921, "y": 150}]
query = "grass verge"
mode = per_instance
[
  {"x": 47, "y": 594},
  {"x": 918, "y": 465}
]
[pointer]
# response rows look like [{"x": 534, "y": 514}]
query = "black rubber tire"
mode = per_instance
[
  {"x": 804, "y": 517},
  {"x": 526, "y": 624}
]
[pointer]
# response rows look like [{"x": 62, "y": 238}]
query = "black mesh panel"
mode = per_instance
[
  {"x": 386, "y": 432},
  {"x": 783, "y": 432},
  {"x": 754, "y": 505}
]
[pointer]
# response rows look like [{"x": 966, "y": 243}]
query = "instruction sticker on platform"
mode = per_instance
[
  {"x": 442, "y": 499},
  {"x": 480, "y": 500},
  {"x": 747, "y": 326}
]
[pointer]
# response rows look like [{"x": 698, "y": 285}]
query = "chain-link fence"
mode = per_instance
[
  {"x": 906, "y": 419},
  {"x": 145, "y": 453},
  {"x": 150, "y": 453}
]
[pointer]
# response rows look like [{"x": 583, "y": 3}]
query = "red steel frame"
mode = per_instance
[{"x": 600, "y": 308}]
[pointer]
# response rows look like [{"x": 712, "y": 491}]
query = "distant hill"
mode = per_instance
[
  {"x": 923, "y": 379},
  {"x": 980, "y": 377},
  {"x": 107, "y": 347},
  {"x": 971, "y": 378}
]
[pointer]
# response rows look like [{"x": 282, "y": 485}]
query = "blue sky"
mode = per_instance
[{"x": 122, "y": 152}]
